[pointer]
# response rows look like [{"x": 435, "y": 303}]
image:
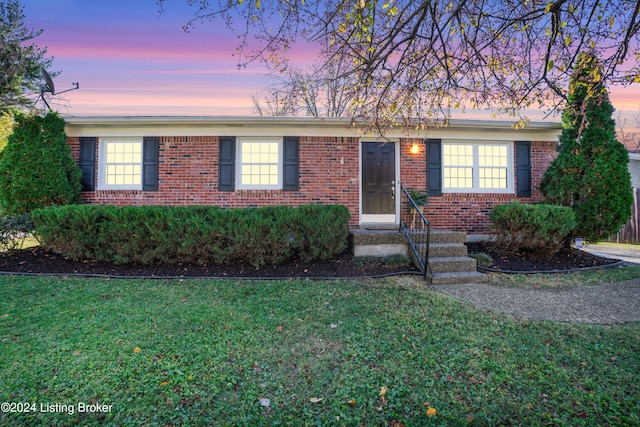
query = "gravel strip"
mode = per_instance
[{"x": 604, "y": 304}]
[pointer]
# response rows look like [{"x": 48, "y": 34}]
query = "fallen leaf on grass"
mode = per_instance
[
  {"x": 352, "y": 402},
  {"x": 279, "y": 328},
  {"x": 315, "y": 399},
  {"x": 383, "y": 391},
  {"x": 136, "y": 350},
  {"x": 164, "y": 383},
  {"x": 431, "y": 412},
  {"x": 264, "y": 402}
]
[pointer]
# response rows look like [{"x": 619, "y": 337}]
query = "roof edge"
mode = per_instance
[{"x": 281, "y": 120}]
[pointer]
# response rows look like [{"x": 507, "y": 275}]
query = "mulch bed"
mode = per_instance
[
  {"x": 566, "y": 259},
  {"x": 39, "y": 261}
]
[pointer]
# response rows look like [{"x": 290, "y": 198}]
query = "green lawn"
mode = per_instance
[
  {"x": 204, "y": 352},
  {"x": 564, "y": 280}
]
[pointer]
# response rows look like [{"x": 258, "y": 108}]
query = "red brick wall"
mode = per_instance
[
  {"x": 329, "y": 168},
  {"x": 469, "y": 212},
  {"x": 188, "y": 175}
]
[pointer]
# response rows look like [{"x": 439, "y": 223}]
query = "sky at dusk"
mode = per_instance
[{"x": 129, "y": 60}]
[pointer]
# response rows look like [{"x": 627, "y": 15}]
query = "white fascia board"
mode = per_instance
[{"x": 496, "y": 130}]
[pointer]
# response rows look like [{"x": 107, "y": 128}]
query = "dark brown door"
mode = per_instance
[{"x": 378, "y": 178}]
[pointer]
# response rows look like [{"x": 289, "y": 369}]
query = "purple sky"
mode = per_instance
[{"x": 130, "y": 60}]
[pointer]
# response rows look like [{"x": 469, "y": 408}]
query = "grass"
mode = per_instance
[
  {"x": 564, "y": 280},
  {"x": 30, "y": 242},
  {"x": 615, "y": 245},
  {"x": 300, "y": 353}
]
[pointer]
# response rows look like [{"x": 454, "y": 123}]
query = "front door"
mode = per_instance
[{"x": 378, "y": 182}]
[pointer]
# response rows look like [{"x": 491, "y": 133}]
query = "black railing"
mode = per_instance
[{"x": 417, "y": 232}]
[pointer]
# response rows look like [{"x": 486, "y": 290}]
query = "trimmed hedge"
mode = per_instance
[
  {"x": 194, "y": 234},
  {"x": 538, "y": 231}
]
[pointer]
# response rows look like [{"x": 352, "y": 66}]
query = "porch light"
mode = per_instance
[{"x": 415, "y": 149}]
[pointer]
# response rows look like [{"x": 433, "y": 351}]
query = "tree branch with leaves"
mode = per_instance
[{"x": 407, "y": 60}]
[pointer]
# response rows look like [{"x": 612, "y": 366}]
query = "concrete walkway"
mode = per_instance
[
  {"x": 604, "y": 304},
  {"x": 608, "y": 303},
  {"x": 626, "y": 253}
]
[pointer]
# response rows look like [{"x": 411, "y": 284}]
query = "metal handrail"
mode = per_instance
[{"x": 419, "y": 239}]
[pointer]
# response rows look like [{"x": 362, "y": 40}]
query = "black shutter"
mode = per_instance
[
  {"x": 523, "y": 167},
  {"x": 88, "y": 163},
  {"x": 291, "y": 159},
  {"x": 227, "y": 163},
  {"x": 150, "y": 163},
  {"x": 434, "y": 167}
]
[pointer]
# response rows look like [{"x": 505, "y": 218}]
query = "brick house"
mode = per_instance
[{"x": 467, "y": 167}]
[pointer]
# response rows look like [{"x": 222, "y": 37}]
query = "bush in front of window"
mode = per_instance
[
  {"x": 538, "y": 231},
  {"x": 194, "y": 234},
  {"x": 36, "y": 167}
]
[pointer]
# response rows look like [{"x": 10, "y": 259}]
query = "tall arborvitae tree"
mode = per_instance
[
  {"x": 36, "y": 167},
  {"x": 591, "y": 172}
]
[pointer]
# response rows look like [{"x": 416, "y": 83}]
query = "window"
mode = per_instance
[
  {"x": 472, "y": 167},
  {"x": 120, "y": 164},
  {"x": 259, "y": 163}
]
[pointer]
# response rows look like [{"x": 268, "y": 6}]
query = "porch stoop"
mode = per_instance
[{"x": 448, "y": 260}]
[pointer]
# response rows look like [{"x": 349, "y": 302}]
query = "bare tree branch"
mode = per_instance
[{"x": 401, "y": 60}]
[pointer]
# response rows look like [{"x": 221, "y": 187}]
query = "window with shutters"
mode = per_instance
[
  {"x": 259, "y": 163},
  {"x": 120, "y": 164},
  {"x": 477, "y": 167}
]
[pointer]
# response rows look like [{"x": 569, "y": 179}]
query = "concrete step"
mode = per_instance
[
  {"x": 447, "y": 253},
  {"x": 363, "y": 236},
  {"x": 445, "y": 236},
  {"x": 451, "y": 264},
  {"x": 377, "y": 243},
  {"x": 456, "y": 278},
  {"x": 440, "y": 250}
]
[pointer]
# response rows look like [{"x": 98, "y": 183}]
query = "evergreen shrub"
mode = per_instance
[
  {"x": 194, "y": 234},
  {"x": 591, "y": 173},
  {"x": 36, "y": 167},
  {"x": 539, "y": 231}
]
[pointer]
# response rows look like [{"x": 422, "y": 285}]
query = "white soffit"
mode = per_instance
[{"x": 497, "y": 130}]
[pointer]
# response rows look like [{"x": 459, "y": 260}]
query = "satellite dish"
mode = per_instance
[{"x": 49, "y": 87}]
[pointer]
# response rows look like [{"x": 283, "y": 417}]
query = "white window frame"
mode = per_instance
[
  {"x": 103, "y": 164},
  {"x": 239, "y": 163},
  {"x": 476, "y": 168}
]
